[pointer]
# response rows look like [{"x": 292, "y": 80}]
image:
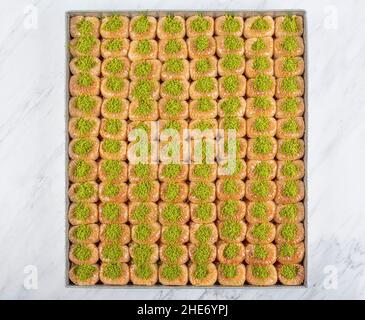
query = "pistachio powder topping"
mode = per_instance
[
  {"x": 263, "y": 145},
  {"x": 233, "y": 43},
  {"x": 231, "y": 24},
  {"x": 261, "y": 103},
  {"x": 112, "y": 146},
  {"x": 141, "y": 212},
  {"x": 204, "y": 211},
  {"x": 260, "y": 272},
  {"x": 85, "y": 103},
  {"x": 115, "y": 83},
  {"x": 171, "y": 170},
  {"x": 201, "y": 43},
  {"x": 112, "y": 270},
  {"x": 85, "y": 63},
  {"x": 172, "y": 191},
  {"x": 85, "y": 44},
  {"x": 82, "y": 252},
  {"x": 230, "y": 208},
  {"x": 290, "y": 147},
  {"x": 144, "y": 47},
  {"x": 230, "y": 186},
  {"x": 85, "y": 80},
  {"x": 261, "y": 188},
  {"x": 172, "y": 25},
  {"x": 202, "y": 191},
  {"x": 114, "y": 105},
  {"x": 173, "y": 87},
  {"x": 81, "y": 211},
  {"x": 84, "y": 271},
  {"x": 82, "y": 232},
  {"x": 113, "y": 24},
  {"x": 204, "y": 104},
  {"x": 231, "y": 229},
  {"x": 290, "y": 105},
  {"x": 171, "y": 213},
  {"x": 287, "y": 250},
  {"x": 258, "y": 45},
  {"x": 143, "y": 231},
  {"x": 261, "y": 231},
  {"x": 114, "y": 45},
  {"x": 84, "y": 26},
  {"x": 203, "y": 65},
  {"x": 113, "y": 232},
  {"x": 231, "y": 83},
  {"x": 259, "y": 210},
  {"x": 231, "y": 105},
  {"x": 203, "y": 233},
  {"x": 231, "y": 250},
  {"x": 263, "y": 82},
  {"x": 81, "y": 169},
  {"x": 142, "y": 190},
  {"x": 200, "y": 24},
  {"x": 260, "y": 252},
  {"x": 289, "y": 211},
  {"x": 289, "y": 84},
  {"x": 232, "y": 61},
  {"x": 85, "y": 190},
  {"x": 290, "y": 44},
  {"x": 289, "y": 231},
  {"x": 262, "y": 169},
  {"x": 261, "y": 124},
  {"x": 173, "y": 46},
  {"x": 229, "y": 270},
  {"x": 289, "y": 169},
  {"x": 289, "y": 271},
  {"x": 174, "y": 65},
  {"x": 290, "y": 188},
  {"x": 202, "y": 253},
  {"x": 260, "y": 24},
  {"x": 112, "y": 251},
  {"x": 290, "y": 24},
  {"x": 111, "y": 211},
  {"x": 141, "y": 24},
  {"x": 173, "y": 253},
  {"x": 172, "y": 233},
  {"x": 204, "y": 85},
  {"x": 261, "y": 63},
  {"x": 171, "y": 271},
  {"x": 201, "y": 271},
  {"x": 114, "y": 65}
]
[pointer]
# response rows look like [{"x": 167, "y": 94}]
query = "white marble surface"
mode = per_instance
[{"x": 32, "y": 95}]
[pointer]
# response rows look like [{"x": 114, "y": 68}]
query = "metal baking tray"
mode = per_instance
[{"x": 186, "y": 13}]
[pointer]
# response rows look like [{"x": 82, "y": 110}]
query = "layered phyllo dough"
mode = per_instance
[
  {"x": 114, "y": 47},
  {"x": 84, "y": 25},
  {"x": 259, "y": 26},
  {"x": 142, "y": 27},
  {"x": 114, "y": 26},
  {"x": 199, "y": 25},
  {"x": 171, "y": 27}
]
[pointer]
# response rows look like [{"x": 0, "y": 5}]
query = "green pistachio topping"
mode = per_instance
[
  {"x": 231, "y": 250},
  {"x": 141, "y": 24},
  {"x": 290, "y": 188},
  {"x": 172, "y": 191},
  {"x": 172, "y": 25},
  {"x": 111, "y": 211},
  {"x": 290, "y": 64},
  {"x": 231, "y": 24},
  {"x": 205, "y": 85},
  {"x": 114, "y": 105},
  {"x": 258, "y": 45},
  {"x": 112, "y": 146},
  {"x": 261, "y": 63},
  {"x": 114, "y": 83},
  {"x": 261, "y": 231},
  {"x": 81, "y": 211},
  {"x": 290, "y": 147},
  {"x": 173, "y": 87},
  {"x": 261, "y": 188},
  {"x": 144, "y": 271},
  {"x": 171, "y": 170},
  {"x": 82, "y": 232},
  {"x": 141, "y": 212},
  {"x": 262, "y": 169},
  {"x": 172, "y": 233},
  {"x": 82, "y": 252},
  {"x": 287, "y": 250},
  {"x": 261, "y": 102},
  {"x": 171, "y": 213},
  {"x": 144, "y": 47},
  {"x": 142, "y": 170},
  {"x": 114, "y": 45},
  {"x": 173, "y": 253},
  {"x": 85, "y": 63},
  {"x": 174, "y": 65},
  {"x": 114, "y": 65},
  {"x": 202, "y": 191},
  {"x": 84, "y": 271},
  {"x": 113, "y": 126},
  {"x": 82, "y": 169},
  {"x": 112, "y": 251},
  {"x": 173, "y": 107},
  {"x": 113, "y": 24},
  {"x": 260, "y": 24},
  {"x": 201, "y": 43},
  {"x": 143, "y": 231},
  {"x": 204, "y": 104},
  {"x": 231, "y": 83},
  {"x": 259, "y": 210},
  {"x": 85, "y": 103},
  {"x": 231, "y": 229},
  {"x": 260, "y": 252},
  {"x": 290, "y": 24},
  {"x": 263, "y": 82},
  {"x": 112, "y": 270},
  {"x": 85, "y": 80},
  {"x": 85, "y": 190},
  {"x": 261, "y": 272},
  {"x": 202, "y": 253},
  {"x": 203, "y": 233},
  {"x": 200, "y": 24},
  {"x": 171, "y": 271},
  {"x": 143, "y": 69},
  {"x": 289, "y": 211},
  {"x": 261, "y": 124},
  {"x": 143, "y": 89},
  {"x": 231, "y": 105},
  {"x": 289, "y": 231},
  {"x": 290, "y": 105},
  {"x": 84, "y": 26},
  {"x": 173, "y": 46},
  {"x": 203, "y": 125},
  {"x": 173, "y": 124},
  {"x": 229, "y": 270},
  {"x": 142, "y": 190},
  {"x": 289, "y": 169},
  {"x": 144, "y": 107},
  {"x": 112, "y": 168},
  {"x": 230, "y": 186},
  {"x": 289, "y": 84},
  {"x": 230, "y": 208},
  {"x": 290, "y": 126},
  {"x": 263, "y": 145},
  {"x": 141, "y": 253},
  {"x": 290, "y": 44},
  {"x": 201, "y": 271},
  {"x": 233, "y": 43},
  {"x": 85, "y": 44},
  {"x": 232, "y": 61},
  {"x": 203, "y": 65},
  {"x": 202, "y": 170},
  {"x": 113, "y": 232},
  {"x": 289, "y": 271},
  {"x": 204, "y": 211}
]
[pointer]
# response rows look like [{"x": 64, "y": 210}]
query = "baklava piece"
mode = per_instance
[
  {"x": 84, "y": 192},
  {"x": 84, "y": 233},
  {"x": 291, "y": 233},
  {"x": 202, "y": 253},
  {"x": 261, "y": 125},
  {"x": 259, "y": 26},
  {"x": 290, "y": 253},
  {"x": 84, "y": 25},
  {"x": 146, "y": 233},
  {"x": 289, "y": 67},
  {"x": 173, "y": 213},
  {"x": 289, "y": 191},
  {"x": 290, "y": 149},
  {"x": 229, "y": 44},
  {"x": 289, "y": 87},
  {"x": 144, "y": 253},
  {"x": 203, "y": 172},
  {"x": 83, "y": 127},
  {"x": 290, "y": 128},
  {"x": 231, "y": 63},
  {"x": 171, "y": 27},
  {"x": 230, "y": 253},
  {"x": 143, "y": 110},
  {"x": 291, "y": 169},
  {"x": 114, "y": 86},
  {"x": 175, "y": 88},
  {"x": 231, "y": 209},
  {"x": 173, "y": 191},
  {"x": 138, "y": 130},
  {"x": 142, "y": 90},
  {"x": 260, "y": 254},
  {"x": 203, "y": 67},
  {"x": 84, "y": 274},
  {"x": 115, "y": 108},
  {"x": 113, "y": 212},
  {"x": 236, "y": 124},
  {"x": 229, "y": 25},
  {"x": 261, "y": 275},
  {"x": 231, "y": 274},
  {"x": 262, "y": 148},
  {"x": 144, "y": 191},
  {"x": 232, "y": 85},
  {"x": 82, "y": 213},
  {"x": 173, "y": 172},
  {"x": 291, "y": 274},
  {"x": 172, "y": 48},
  {"x": 263, "y": 47},
  {"x": 114, "y": 27},
  {"x": 88, "y": 64},
  {"x": 203, "y": 233},
  {"x": 257, "y": 169},
  {"x": 203, "y": 274},
  {"x": 232, "y": 148},
  {"x": 288, "y": 25},
  {"x": 113, "y": 128},
  {"x": 175, "y": 68},
  {"x": 289, "y": 46},
  {"x": 142, "y": 27},
  {"x": 232, "y": 168},
  {"x": 83, "y": 253},
  {"x": 201, "y": 46},
  {"x": 173, "y": 274},
  {"x": 232, "y": 230},
  {"x": 233, "y": 189},
  {"x": 142, "y": 212},
  {"x": 145, "y": 69},
  {"x": 84, "y": 106},
  {"x": 84, "y": 83},
  {"x": 144, "y": 274},
  {"x": 173, "y": 254},
  {"x": 113, "y": 170},
  {"x": 203, "y": 213},
  {"x": 290, "y": 107},
  {"x": 85, "y": 45},
  {"x": 203, "y": 108},
  {"x": 113, "y": 192},
  {"x": 262, "y": 85},
  {"x": 292, "y": 212},
  {"x": 261, "y": 233},
  {"x": 204, "y": 87},
  {"x": 175, "y": 234},
  {"x": 259, "y": 65},
  {"x": 173, "y": 109},
  {"x": 114, "y": 273},
  {"x": 260, "y": 190},
  {"x": 262, "y": 211},
  {"x": 200, "y": 192},
  {"x": 201, "y": 128},
  {"x": 115, "y": 232},
  {"x": 260, "y": 106},
  {"x": 143, "y": 151},
  {"x": 113, "y": 149},
  {"x": 199, "y": 25},
  {"x": 231, "y": 106},
  {"x": 82, "y": 170},
  {"x": 142, "y": 171},
  {"x": 118, "y": 66},
  {"x": 142, "y": 50},
  {"x": 116, "y": 47}
]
